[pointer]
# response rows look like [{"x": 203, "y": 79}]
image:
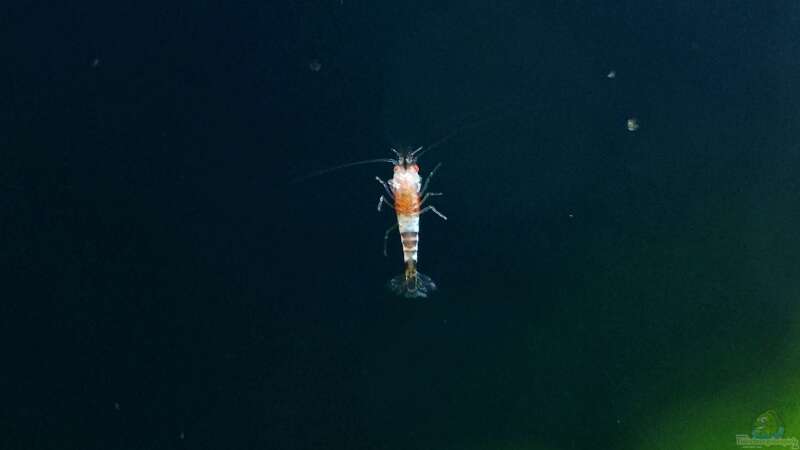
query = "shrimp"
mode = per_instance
[{"x": 409, "y": 195}]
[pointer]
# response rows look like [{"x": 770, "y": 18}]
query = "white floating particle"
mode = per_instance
[
  {"x": 612, "y": 74},
  {"x": 633, "y": 124}
]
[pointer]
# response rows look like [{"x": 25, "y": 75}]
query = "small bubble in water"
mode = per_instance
[{"x": 314, "y": 65}]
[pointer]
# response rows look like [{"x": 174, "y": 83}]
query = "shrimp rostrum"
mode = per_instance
[{"x": 409, "y": 196}]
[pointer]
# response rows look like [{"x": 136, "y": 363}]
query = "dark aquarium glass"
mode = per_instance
[{"x": 196, "y": 252}]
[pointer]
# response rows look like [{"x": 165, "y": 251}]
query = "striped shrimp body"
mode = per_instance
[{"x": 409, "y": 195}]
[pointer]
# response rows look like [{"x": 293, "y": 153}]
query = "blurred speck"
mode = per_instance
[
  {"x": 612, "y": 74},
  {"x": 116, "y": 406},
  {"x": 181, "y": 436},
  {"x": 95, "y": 62},
  {"x": 633, "y": 124},
  {"x": 315, "y": 65}
]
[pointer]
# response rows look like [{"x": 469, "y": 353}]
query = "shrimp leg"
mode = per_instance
[
  {"x": 386, "y": 237},
  {"x": 428, "y": 178},
  {"x": 385, "y": 186},
  {"x": 431, "y": 208},
  {"x": 383, "y": 200},
  {"x": 429, "y": 194}
]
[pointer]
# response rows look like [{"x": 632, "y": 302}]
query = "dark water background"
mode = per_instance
[{"x": 167, "y": 287}]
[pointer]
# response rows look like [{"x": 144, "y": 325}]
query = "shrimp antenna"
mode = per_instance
[
  {"x": 465, "y": 127},
  {"x": 444, "y": 139},
  {"x": 414, "y": 153},
  {"x": 342, "y": 166}
]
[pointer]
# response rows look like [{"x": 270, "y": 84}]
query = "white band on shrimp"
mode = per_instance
[{"x": 408, "y": 223}]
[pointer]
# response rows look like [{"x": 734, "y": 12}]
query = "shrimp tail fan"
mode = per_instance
[{"x": 411, "y": 283}]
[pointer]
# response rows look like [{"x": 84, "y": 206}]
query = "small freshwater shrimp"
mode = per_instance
[{"x": 407, "y": 195}]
